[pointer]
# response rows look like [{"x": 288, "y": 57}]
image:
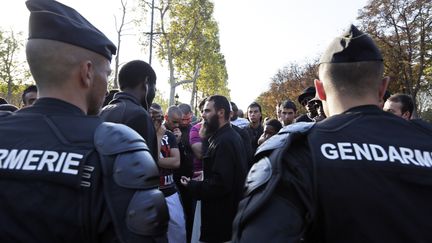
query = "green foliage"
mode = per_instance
[
  {"x": 17, "y": 90},
  {"x": 189, "y": 43},
  {"x": 403, "y": 31},
  {"x": 13, "y": 70},
  {"x": 159, "y": 99},
  {"x": 427, "y": 115},
  {"x": 287, "y": 84}
]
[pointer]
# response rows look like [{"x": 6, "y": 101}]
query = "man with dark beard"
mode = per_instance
[
  {"x": 225, "y": 169},
  {"x": 137, "y": 81}
]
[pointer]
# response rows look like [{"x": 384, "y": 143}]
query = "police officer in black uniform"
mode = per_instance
[
  {"x": 361, "y": 175},
  {"x": 65, "y": 175}
]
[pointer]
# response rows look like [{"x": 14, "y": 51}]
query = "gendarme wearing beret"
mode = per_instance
[
  {"x": 352, "y": 46},
  {"x": 55, "y": 21}
]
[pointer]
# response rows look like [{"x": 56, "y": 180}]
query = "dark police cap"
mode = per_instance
[
  {"x": 52, "y": 20},
  {"x": 308, "y": 92},
  {"x": 352, "y": 46}
]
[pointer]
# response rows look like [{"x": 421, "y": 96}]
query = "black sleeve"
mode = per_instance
[
  {"x": 143, "y": 125},
  {"x": 281, "y": 209}
]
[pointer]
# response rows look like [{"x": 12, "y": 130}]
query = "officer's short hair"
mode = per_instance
[
  {"x": 134, "y": 73},
  {"x": 353, "y": 78},
  {"x": 352, "y": 64},
  {"x": 288, "y": 104},
  {"x": 50, "y": 67},
  {"x": 221, "y": 102},
  {"x": 30, "y": 88},
  {"x": 54, "y": 49},
  {"x": 405, "y": 100}
]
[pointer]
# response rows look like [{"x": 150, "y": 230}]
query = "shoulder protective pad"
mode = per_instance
[
  {"x": 261, "y": 182},
  {"x": 148, "y": 213},
  {"x": 131, "y": 179},
  {"x": 113, "y": 138},
  {"x": 259, "y": 174},
  {"x": 133, "y": 166},
  {"x": 278, "y": 140},
  {"x": 5, "y": 113},
  {"x": 136, "y": 170}
]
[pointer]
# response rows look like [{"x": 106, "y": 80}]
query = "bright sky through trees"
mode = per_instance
[{"x": 257, "y": 37}]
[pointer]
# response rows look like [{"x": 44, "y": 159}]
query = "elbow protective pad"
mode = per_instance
[{"x": 131, "y": 180}]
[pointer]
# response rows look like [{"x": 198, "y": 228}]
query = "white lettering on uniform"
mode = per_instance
[
  {"x": 408, "y": 155},
  {"x": 71, "y": 162},
  {"x": 60, "y": 162},
  {"x": 394, "y": 155},
  {"x": 359, "y": 151},
  {"x": 329, "y": 154},
  {"x": 32, "y": 157},
  {"x": 48, "y": 159},
  {"x": 345, "y": 148},
  {"x": 423, "y": 158},
  {"x": 3, "y": 154},
  {"x": 14, "y": 160},
  {"x": 376, "y": 151},
  {"x": 32, "y": 160}
]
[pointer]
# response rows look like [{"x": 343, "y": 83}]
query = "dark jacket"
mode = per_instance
[
  {"x": 47, "y": 197},
  {"x": 303, "y": 118},
  {"x": 361, "y": 176},
  {"x": 225, "y": 169},
  {"x": 255, "y": 134},
  {"x": 127, "y": 110}
]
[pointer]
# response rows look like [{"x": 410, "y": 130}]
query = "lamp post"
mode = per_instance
[{"x": 176, "y": 98}]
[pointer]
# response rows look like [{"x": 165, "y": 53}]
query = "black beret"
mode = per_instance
[
  {"x": 55, "y": 21},
  {"x": 352, "y": 46},
  {"x": 308, "y": 92}
]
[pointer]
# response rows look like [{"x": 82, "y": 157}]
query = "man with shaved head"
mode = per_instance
[{"x": 66, "y": 175}]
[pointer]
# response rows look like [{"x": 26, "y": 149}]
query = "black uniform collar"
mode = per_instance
[
  {"x": 53, "y": 106},
  {"x": 363, "y": 109}
]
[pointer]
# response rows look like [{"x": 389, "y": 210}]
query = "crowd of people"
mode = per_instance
[{"x": 79, "y": 165}]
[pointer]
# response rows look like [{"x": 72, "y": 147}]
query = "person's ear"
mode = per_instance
[
  {"x": 86, "y": 73},
  {"x": 221, "y": 113},
  {"x": 406, "y": 115},
  {"x": 383, "y": 87},
  {"x": 319, "y": 87}
]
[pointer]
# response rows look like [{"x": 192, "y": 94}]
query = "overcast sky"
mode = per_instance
[{"x": 257, "y": 37}]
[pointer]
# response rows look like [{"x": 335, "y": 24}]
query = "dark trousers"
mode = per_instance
[{"x": 189, "y": 209}]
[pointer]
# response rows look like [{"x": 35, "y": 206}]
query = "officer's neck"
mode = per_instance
[
  {"x": 338, "y": 104},
  {"x": 75, "y": 98}
]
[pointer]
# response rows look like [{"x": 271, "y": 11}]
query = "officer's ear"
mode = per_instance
[
  {"x": 86, "y": 73},
  {"x": 383, "y": 87},
  {"x": 319, "y": 87}
]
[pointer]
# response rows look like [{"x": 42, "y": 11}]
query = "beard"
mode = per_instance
[
  {"x": 211, "y": 126},
  {"x": 94, "y": 104}
]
